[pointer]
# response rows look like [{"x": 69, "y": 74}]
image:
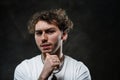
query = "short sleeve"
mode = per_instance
[
  {"x": 82, "y": 72},
  {"x": 21, "y": 72}
]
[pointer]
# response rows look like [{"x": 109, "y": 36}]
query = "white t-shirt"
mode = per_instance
[{"x": 30, "y": 69}]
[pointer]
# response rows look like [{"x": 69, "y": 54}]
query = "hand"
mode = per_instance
[{"x": 51, "y": 63}]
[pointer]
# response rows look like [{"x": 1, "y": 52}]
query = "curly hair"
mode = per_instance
[{"x": 53, "y": 16}]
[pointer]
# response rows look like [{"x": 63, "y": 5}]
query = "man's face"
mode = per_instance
[{"x": 48, "y": 37}]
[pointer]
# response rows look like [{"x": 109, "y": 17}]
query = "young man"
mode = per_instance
[{"x": 50, "y": 29}]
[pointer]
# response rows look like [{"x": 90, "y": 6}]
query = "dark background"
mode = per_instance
[{"x": 93, "y": 40}]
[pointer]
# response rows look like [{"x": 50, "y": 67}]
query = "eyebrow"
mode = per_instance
[{"x": 45, "y": 29}]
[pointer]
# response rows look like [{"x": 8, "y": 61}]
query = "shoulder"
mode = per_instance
[
  {"x": 23, "y": 70},
  {"x": 73, "y": 61},
  {"x": 27, "y": 63},
  {"x": 79, "y": 68},
  {"x": 30, "y": 61}
]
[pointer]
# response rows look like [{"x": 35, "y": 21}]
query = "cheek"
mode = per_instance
[
  {"x": 55, "y": 38},
  {"x": 37, "y": 40}
]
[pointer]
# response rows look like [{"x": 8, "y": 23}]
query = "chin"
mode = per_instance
[{"x": 47, "y": 51}]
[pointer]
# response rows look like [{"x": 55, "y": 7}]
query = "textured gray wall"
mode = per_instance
[{"x": 93, "y": 39}]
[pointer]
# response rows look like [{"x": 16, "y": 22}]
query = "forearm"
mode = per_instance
[
  {"x": 40, "y": 78},
  {"x": 44, "y": 75}
]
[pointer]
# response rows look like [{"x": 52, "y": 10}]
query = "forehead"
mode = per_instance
[{"x": 43, "y": 25}]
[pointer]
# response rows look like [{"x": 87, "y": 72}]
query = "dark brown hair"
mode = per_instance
[{"x": 53, "y": 16}]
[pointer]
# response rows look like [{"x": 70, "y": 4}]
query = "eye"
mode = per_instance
[
  {"x": 50, "y": 31},
  {"x": 38, "y": 32}
]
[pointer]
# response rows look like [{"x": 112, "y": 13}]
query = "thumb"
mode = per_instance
[{"x": 47, "y": 55}]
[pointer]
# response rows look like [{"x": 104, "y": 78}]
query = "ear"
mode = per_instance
[{"x": 64, "y": 36}]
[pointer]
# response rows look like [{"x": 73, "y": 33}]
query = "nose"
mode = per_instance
[{"x": 44, "y": 37}]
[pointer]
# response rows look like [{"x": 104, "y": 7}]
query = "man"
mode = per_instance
[{"x": 50, "y": 29}]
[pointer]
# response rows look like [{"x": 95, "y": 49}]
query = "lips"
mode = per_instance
[{"x": 45, "y": 46}]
